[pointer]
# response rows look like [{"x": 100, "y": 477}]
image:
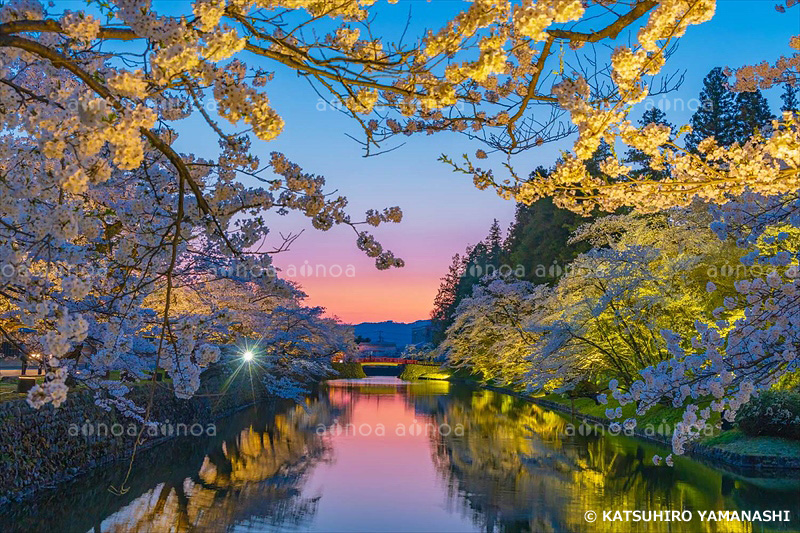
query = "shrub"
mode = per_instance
[
  {"x": 584, "y": 389},
  {"x": 775, "y": 413}
]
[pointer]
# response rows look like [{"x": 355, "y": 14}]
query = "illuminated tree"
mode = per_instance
[
  {"x": 642, "y": 160},
  {"x": 488, "y": 335},
  {"x": 644, "y": 275}
]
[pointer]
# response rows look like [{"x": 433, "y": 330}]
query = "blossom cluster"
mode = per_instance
[
  {"x": 91, "y": 178},
  {"x": 752, "y": 340}
]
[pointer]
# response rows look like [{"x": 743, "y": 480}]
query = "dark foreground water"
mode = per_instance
[{"x": 382, "y": 455}]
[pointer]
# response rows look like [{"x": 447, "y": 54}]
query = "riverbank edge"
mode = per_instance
[
  {"x": 113, "y": 452},
  {"x": 716, "y": 456},
  {"x": 352, "y": 370},
  {"x": 113, "y": 458}
]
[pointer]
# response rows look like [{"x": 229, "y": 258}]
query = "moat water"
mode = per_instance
[{"x": 380, "y": 454}]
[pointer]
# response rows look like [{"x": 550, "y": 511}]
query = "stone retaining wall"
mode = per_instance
[{"x": 41, "y": 448}]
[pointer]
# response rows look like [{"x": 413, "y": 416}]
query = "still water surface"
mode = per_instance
[{"x": 379, "y": 454}]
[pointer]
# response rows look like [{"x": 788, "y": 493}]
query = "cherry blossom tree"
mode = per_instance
[
  {"x": 764, "y": 164},
  {"x": 488, "y": 334},
  {"x": 102, "y": 220},
  {"x": 660, "y": 306},
  {"x": 644, "y": 274},
  {"x": 603, "y": 318},
  {"x": 750, "y": 341}
]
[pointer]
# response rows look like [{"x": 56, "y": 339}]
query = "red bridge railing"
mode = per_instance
[{"x": 391, "y": 360}]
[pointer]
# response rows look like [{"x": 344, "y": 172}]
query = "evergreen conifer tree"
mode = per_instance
[
  {"x": 790, "y": 100},
  {"x": 444, "y": 303},
  {"x": 753, "y": 115},
  {"x": 717, "y": 113}
]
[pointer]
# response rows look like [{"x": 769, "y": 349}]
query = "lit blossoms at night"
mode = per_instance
[{"x": 499, "y": 265}]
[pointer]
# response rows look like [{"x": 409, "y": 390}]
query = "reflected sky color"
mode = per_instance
[
  {"x": 443, "y": 211},
  {"x": 391, "y": 476}
]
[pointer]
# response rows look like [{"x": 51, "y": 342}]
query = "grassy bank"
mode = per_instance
[
  {"x": 735, "y": 441},
  {"x": 348, "y": 371},
  {"x": 8, "y": 387},
  {"x": 414, "y": 372},
  {"x": 661, "y": 419}
]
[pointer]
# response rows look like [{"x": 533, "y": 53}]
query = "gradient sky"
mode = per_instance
[{"x": 443, "y": 212}]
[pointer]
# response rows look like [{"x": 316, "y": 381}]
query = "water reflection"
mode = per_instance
[
  {"x": 251, "y": 473},
  {"x": 447, "y": 458},
  {"x": 251, "y": 478},
  {"x": 518, "y": 468}
]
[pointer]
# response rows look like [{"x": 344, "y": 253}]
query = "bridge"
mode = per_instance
[{"x": 393, "y": 361}]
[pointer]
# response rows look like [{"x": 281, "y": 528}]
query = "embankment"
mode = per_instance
[
  {"x": 413, "y": 372},
  {"x": 348, "y": 371},
  {"x": 41, "y": 448},
  {"x": 783, "y": 453}
]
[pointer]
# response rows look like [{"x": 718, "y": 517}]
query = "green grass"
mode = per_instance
[
  {"x": 735, "y": 441},
  {"x": 414, "y": 372},
  {"x": 662, "y": 418},
  {"x": 348, "y": 371},
  {"x": 8, "y": 391},
  {"x": 8, "y": 388}
]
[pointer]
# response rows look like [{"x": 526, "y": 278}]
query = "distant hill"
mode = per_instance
[{"x": 396, "y": 332}]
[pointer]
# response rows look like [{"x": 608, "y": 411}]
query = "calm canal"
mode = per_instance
[{"x": 379, "y": 454}]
